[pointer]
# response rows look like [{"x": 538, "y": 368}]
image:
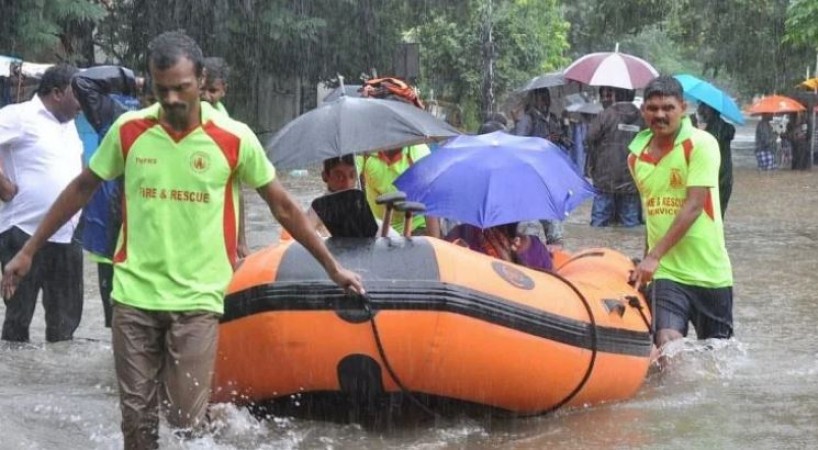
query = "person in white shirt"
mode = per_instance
[{"x": 40, "y": 153}]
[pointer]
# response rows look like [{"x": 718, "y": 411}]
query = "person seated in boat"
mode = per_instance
[
  {"x": 504, "y": 242},
  {"x": 339, "y": 174}
]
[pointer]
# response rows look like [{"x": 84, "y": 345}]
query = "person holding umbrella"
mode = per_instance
[
  {"x": 676, "y": 168},
  {"x": 379, "y": 171},
  {"x": 506, "y": 242},
  {"x": 714, "y": 106},
  {"x": 710, "y": 120},
  {"x": 538, "y": 120},
  {"x": 478, "y": 181},
  {"x": 617, "y": 199},
  {"x": 796, "y": 134},
  {"x": 765, "y": 143}
]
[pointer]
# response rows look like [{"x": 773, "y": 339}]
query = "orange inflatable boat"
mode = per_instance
[{"x": 439, "y": 321}]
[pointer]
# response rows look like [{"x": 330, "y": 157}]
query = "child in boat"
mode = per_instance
[
  {"x": 339, "y": 174},
  {"x": 504, "y": 242}
]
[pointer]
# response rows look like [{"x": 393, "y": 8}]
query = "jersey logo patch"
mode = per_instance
[
  {"x": 676, "y": 180},
  {"x": 200, "y": 162}
]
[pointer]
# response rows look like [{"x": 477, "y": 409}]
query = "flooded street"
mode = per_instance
[{"x": 758, "y": 390}]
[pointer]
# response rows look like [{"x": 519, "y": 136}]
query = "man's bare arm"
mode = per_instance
[
  {"x": 293, "y": 219},
  {"x": 71, "y": 200},
  {"x": 689, "y": 212}
]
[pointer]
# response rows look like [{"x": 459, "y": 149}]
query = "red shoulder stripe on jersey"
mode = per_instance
[
  {"x": 708, "y": 205},
  {"x": 130, "y": 131},
  {"x": 687, "y": 145},
  {"x": 229, "y": 144}
]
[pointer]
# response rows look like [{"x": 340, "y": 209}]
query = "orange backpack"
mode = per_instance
[{"x": 383, "y": 87}]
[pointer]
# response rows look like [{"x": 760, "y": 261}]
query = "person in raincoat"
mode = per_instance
[
  {"x": 724, "y": 134},
  {"x": 105, "y": 93},
  {"x": 617, "y": 199}
]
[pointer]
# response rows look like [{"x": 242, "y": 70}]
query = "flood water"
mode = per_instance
[{"x": 758, "y": 390}]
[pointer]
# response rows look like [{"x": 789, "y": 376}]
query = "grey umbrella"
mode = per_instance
[
  {"x": 353, "y": 125},
  {"x": 548, "y": 80},
  {"x": 350, "y": 90},
  {"x": 585, "y": 107}
]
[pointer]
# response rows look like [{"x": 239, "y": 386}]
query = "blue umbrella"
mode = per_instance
[
  {"x": 698, "y": 89},
  {"x": 496, "y": 178}
]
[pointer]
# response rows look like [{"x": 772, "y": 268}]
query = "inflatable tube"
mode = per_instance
[{"x": 452, "y": 323}]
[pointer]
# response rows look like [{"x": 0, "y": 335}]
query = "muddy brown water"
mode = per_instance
[{"x": 759, "y": 390}]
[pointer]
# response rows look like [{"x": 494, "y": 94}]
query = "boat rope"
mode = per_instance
[
  {"x": 633, "y": 302},
  {"x": 594, "y": 350},
  {"x": 382, "y": 353},
  {"x": 561, "y": 403}
]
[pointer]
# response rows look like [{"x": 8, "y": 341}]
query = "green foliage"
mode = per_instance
[
  {"x": 36, "y": 29},
  {"x": 529, "y": 38},
  {"x": 740, "y": 43},
  {"x": 597, "y": 25},
  {"x": 752, "y": 46},
  {"x": 802, "y": 23}
]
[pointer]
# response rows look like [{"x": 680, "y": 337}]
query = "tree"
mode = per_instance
[
  {"x": 802, "y": 23},
  {"x": 528, "y": 38},
  {"x": 597, "y": 25},
  {"x": 49, "y": 30},
  {"x": 738, "y": 42}
]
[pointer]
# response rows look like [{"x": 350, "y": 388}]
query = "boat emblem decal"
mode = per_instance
[{"x": 513, "y": 276}]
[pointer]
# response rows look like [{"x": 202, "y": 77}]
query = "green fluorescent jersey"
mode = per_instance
[
  {"x": 380, "y": 172},
  {"x": 700, "y": 257},
  {"x": 219, "y": 106},
  {"x": 178, "y": 239}
]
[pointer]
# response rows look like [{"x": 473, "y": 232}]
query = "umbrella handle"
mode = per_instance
[
  {"x": 387, "y": 220},
  {"x": 389, "y": 200},
  {"x": 408, "y": 209}
]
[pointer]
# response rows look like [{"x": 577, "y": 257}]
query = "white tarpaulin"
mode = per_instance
[
  {"x": 34, "y": 70},
  {"x": 31, "y": 70},
  {"x": 5, "y": 65}
]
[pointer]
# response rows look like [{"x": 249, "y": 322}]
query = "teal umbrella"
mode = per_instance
[{"x": 702, "y": 91}]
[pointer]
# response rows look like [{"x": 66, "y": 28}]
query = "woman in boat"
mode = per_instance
[{"x": 504, "y": 242}]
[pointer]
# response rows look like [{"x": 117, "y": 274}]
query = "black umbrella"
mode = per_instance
[{"x": 353, "y": 125}]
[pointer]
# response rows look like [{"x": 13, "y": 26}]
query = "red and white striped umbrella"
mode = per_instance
[{"x": 611, "y": 69}]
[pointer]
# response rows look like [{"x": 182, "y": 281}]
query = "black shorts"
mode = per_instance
[{"x": 710, "y": 309}]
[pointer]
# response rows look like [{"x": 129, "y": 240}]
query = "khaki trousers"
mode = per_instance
[{"x": 167, "y": 354}]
